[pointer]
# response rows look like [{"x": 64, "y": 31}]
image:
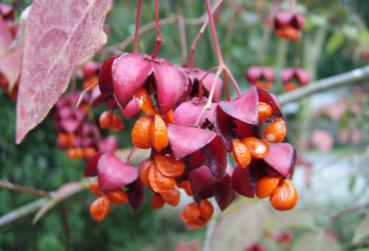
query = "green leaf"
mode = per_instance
[
  {"x": 352, "y": 183},
  {"x": 334, "y": 42}
]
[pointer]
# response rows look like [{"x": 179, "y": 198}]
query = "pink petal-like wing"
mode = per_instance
[
  {"x": 253, "y": 74},
  {"x": 243, "y": 108},
  {"x": 268, "y": 74},
  {"x": 303, "y": 76},
  {"x": 287, "y": 75},
  {"x": 129, "y": 73},
  {"x": 188, "y": 112},
  {"x": 282, "y": 158},
  {"x": 170, "y": 85},
  {"x": 131, "y": 110},
  {"x": 59, "y": 34},
  {"x": 105, "y": 76},
  {"x": 113, "y": 173},
  {"x": 208, "y": 83},
  {"x": 186, "y": 140}
]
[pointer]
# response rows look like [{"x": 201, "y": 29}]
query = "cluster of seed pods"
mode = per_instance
[
  {"x": 189, "y": 145},
  {"x": 77, "y": 136},
  {"x": 288, "y": 24},
  {"x": 7, "y": 22},
  {"x": 264, "y": 77}
]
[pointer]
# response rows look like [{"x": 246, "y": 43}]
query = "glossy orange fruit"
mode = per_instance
[
  {"x": 140, "y": 133},
  {"x": 117, "y": 196},
  {"x": 144, "y": 101},
  {"x": 241, "y": 153},
  {"x": 158, "y": 182},
  {"x": 94, "y": 188},
  {"x": 144, "y": 172},
  {"x": 169, "y": 117},
  {"x": 100, "y": 208},
  {"x": 196, "y": 224},
  {"x": 159, "y": 134},
  {"x": 168, "y": 166},
  {"x": 190, "y": 212},
  {"x": 186, "y": 185},
  {"x": 206, "y": 209},
  {"x": 257, "y": 147},
  {"x": 266, "y": 186},
  {"x": 264, "y": 111},
  {"x": 89, "y": 152},
  {"x": 285, "y": 197},
  {"x": 276, "y": 131},
  {"x": 116, "y": 123},
  {"x": 105, "y": 119},
  {"x": 171, "y": 197},
  {"x": 157, "y": 201}
]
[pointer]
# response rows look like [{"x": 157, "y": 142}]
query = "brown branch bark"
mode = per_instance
[
  {"x": 18, "y": 188},
  {"x": 340, "y": 80}
]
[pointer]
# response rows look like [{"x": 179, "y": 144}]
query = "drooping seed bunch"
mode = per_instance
[
  {"x": 9, "y": 29},
  {"x": 288, "y": 25},
  {"x": 77, "y": 136},
  {"x": 263, "y": 77},
  {"x": 189, "y": 144}
]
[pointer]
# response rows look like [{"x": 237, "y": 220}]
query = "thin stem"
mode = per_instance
[
  {"x": 214, "y": 32},
  {"x": 159, "y": 39},
  {"x": 183, "y": 38},
  {"x": 130, "y": 154},
  {"x": 198, "y": 36},
  {"x": 137, "y": 26},
  {"x": 340, "y": 80},
  {"x": 226, "y": 86},
  {"x": 23, "y": 189},
  {"x": 233, "y": 81},
  {"x": 210, "y": 98},
  {"x": 66, "y": 226}
]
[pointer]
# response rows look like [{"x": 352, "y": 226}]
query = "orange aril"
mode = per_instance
[
  {"x": 105, "y": 119},
  {"x": 276, "y": 131},
  {"x": 257, "y": 147},
  {"x": 100, "y": 208},
  {"x": 168, "y": 166},
  {"x": 206, "y": 209},
  {"x": 159, "y": 134},
  {"x": 144, "y": 172},
  {"x": 157, "y": 201},
  {"x": 159, "y": 182},
  {"x": 186, "y": 185},
  {"x": 144, "y": 101},
  {"x": 190, "y": 212},
  {"x": 169, "y": 117},
  {"x": 241, "y": 153},
  {"x": 140, "y": 133},
  {"x": 285, "y": 197},
  {"x": 266, "y": 186},
  {"x": 264, "y": 111},
  {"x": 117, "y": 196},
  {"x": 94, "y": 188},
  {"x": 171, "y": 197}
]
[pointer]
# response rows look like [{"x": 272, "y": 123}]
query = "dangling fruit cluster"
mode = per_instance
[
  {"x": 189, "y": 144},
  {"x": 288, "y": 25}
]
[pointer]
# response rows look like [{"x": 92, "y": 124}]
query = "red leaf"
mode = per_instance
[
  {"x": 54, "y": 44},
  {"x": 136, "y": 193},
  {"x": 202, "y": 181},
  {"x": 243, "y": 182}
]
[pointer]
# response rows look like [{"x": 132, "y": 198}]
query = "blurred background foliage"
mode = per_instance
[{"x": 335, "y": 37}]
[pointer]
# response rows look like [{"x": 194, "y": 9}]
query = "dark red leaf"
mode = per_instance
[
  {"x": 202, "y": 182},
  {"x": 91, "y": 166},
  {"x": 243, "y": 182}
]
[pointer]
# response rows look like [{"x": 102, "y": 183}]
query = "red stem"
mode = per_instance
[
  {"x": 159, "y": 39},
  {"x": 198, "y": 36},
  {"x": 226, "y": 86},
  {"x": 137, "y": 26},
  {"x": 214, "y": 32}
]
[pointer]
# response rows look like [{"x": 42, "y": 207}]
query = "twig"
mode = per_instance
[
  {"x": 182, "y": 34},
  {"x": 148, "y": 27},
  {"x": 137, "y": 26},
  {"x": 66, "y": 227},
  {"x": 44, "y": 204},
  {"x": 18, "y": 188},
  {"x": 340, "y": 80},
  {"x": 22, "y": 212},
  {"x": 350, "y": 210},
  {"x": 159, "y": 39}
]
